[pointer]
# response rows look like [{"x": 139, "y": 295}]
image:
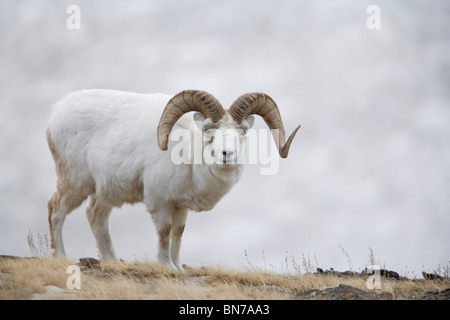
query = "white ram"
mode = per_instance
[{"x": 110, "y": 146}]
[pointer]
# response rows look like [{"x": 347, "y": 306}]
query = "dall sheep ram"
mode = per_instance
[{"x": 111, "y": 146}]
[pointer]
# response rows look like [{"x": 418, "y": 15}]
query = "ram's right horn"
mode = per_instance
[{"x": 183, "y": 102}]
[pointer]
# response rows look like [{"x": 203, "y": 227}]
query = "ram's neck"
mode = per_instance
[{"x": 210, "y": 185}]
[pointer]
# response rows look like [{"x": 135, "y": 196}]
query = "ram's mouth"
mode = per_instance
[
  {"x": 229, "y": 163},
  {"x": 226, "y": 164}
]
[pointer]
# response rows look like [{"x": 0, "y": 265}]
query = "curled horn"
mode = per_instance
[
  {"x": 264, "y": 106},
  {"x": 183, "y": 102}
]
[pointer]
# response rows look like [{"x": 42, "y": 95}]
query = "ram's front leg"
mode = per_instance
[
  {"x": 163, "y": 221},
  {"x": 178, "y": 222}
]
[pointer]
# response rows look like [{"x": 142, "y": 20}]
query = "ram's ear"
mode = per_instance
[
  {"x": 250, "y": 120},
  {"x": 247, "y": 123},
  {"x": 198, "y": 119}
]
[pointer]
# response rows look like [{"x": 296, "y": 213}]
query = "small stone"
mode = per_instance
[{"x": 89, "y": 263}]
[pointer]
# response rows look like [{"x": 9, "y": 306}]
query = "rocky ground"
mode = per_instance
[{"x": 344, "y": 292}]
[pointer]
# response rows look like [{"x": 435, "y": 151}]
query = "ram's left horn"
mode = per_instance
[{"x": 263, "y": 105}]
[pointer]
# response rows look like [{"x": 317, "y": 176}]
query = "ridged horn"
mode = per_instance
[
  {"x": 183, "y": 102},
  {"x": 263, "y": 105}
]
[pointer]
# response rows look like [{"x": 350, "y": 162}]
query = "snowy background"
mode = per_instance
[{"x": 370, "y": 167}]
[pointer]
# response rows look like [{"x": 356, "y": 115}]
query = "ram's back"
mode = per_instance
[{"x": 106, "y": 139}]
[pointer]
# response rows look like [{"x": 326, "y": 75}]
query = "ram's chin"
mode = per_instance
[
  {"x": 226, "y": 166},
  {"x": 228, "y": 172}
]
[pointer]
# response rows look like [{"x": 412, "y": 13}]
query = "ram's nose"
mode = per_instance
[{"x": 228, "y": 156}]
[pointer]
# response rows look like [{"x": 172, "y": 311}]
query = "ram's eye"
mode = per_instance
[
  {"x": 207, "y": 129},
  {"x": 208, "y": 135}
]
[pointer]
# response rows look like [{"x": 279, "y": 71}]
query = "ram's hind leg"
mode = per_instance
[
  {"x": 71, "y": 191},
  {"x": 178, "y": 222},
  {"x": 98, "y": 214},
  {"x": 59, "y": 205}
]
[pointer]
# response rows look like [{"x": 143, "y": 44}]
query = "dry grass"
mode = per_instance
[
  {"x": 45, "y": 278},
  {"x": 42, "y": 277}
]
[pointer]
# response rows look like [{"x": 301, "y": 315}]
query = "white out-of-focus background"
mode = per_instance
[{"x": 370, "y": 167}]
